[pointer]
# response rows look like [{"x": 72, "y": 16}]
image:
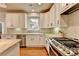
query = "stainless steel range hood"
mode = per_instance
[{"x": 71, "y": 10}]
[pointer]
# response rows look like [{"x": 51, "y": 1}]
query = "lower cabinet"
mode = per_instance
[
  {"x": 8, "y": 36},
  {"x": 35, "y": 41}
]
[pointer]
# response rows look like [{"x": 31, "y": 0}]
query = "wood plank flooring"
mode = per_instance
[{"x": 33, "y": 52}]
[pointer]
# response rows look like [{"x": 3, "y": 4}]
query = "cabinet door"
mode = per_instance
[
  {"x": 57, "y": 15},
  {"x": 9, "y": 19},
  {"x": 48, "y": 20},
  {"x": 42, "y": 20},
  {"x": 29, "y": 41},
  {"x": 42, "y": 40},
  {"x": 21, "y": 20},
  {"x": 46, "y": 25},
  {"x": 52, "y": 16},
  {"x": 34, "y": 41},
  {"x": 45, "y": 20},
  {"x": 4, "y": 36},
  {"x": 25, "y": 21},
  {"x": 15, "y": 20}
]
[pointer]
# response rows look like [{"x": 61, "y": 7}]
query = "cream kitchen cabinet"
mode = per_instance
[
  {"x": 54, "y": 16},
  {"x": 42, "y": 20},
  {"x": 57, "y": 14},
  {"x": 14, "y": 20},
  {"x": 34, "y": 41},
  {"x": 46, "y": 20},
  {"x": 51, "y": 18},
  {"x": 21, "y": 20},
  {"x": 8, "y": 36}
]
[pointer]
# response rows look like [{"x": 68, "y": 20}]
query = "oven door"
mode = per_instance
[{"x": 53, "y": 51}]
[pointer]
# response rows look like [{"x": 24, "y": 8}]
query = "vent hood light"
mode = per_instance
[{"x": 57, "y": 29}]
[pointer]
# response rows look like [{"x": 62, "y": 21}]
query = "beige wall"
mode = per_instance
[{"x": 73, "y": 23}]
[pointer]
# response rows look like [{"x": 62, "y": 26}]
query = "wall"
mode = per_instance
[{"x": 73, "y": 25}]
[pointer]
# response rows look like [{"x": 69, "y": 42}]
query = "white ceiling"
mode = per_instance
[{"x": 28, "y": 7}]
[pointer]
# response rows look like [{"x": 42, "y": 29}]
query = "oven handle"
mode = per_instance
[{"x": 53, "y": 51}]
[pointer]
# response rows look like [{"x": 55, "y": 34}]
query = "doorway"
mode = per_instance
[{"x": 1, "y": 28}]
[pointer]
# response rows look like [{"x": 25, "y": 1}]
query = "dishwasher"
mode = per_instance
[{"x": 23, "y": 40}]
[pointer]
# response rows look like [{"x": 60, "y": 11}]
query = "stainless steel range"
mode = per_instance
[{"x": 64, "y": 46}]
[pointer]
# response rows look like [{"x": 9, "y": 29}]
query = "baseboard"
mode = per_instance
[{"x": 22, "y": 46}]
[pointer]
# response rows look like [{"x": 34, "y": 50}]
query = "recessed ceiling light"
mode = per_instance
[
  {"x": 32, "y": 10},
  {"x": 39, "y": 3}
]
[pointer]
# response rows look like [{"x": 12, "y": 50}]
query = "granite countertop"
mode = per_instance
[
  {"x": 21, "y": 33},
  {"x": 7, "y": 43},
  {"x": 52, "y": 35}
]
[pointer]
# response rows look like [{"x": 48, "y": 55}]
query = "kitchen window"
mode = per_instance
[{"x": 33, "y": 24}]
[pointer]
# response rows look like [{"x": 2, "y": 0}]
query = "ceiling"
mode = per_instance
[{"x": 28, "y": 7}]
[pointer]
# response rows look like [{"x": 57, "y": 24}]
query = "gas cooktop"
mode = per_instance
[{"x": 69, "y": 43}]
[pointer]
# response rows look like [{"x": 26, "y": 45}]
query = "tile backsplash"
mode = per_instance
[{"x": 23, "y": 30}]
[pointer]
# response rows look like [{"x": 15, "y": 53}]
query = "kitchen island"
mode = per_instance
[{"x": 9, "y": 47}]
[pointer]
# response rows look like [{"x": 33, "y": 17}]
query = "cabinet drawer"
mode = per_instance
[{"x": 8, "y": 36}]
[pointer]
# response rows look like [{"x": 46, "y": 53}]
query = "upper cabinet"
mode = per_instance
[
  {"x": 57, "y": 14},
  {"x": 54, "y": 15},
  {"x": 51, "y": 18},
  {"x": 44, "y": 20},
  {"x": 14, "y": 20}
]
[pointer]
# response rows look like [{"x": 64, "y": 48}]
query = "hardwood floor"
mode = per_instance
[{"x": 33, "y": 52}]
